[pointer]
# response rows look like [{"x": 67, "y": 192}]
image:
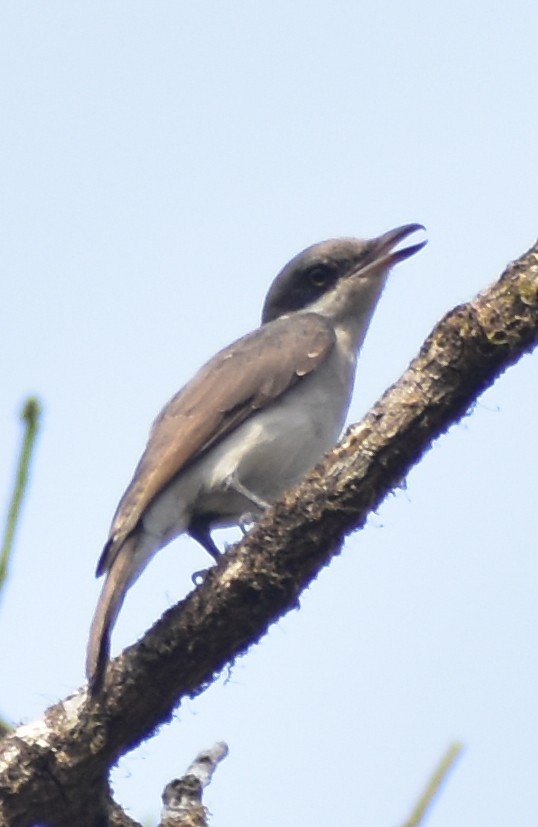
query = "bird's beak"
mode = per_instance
[
  {"x": 384, "y": 245},
  {"x": 383, "y": 256}
]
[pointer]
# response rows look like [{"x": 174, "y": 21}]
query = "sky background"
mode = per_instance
[{"x": 159, "y": 163}]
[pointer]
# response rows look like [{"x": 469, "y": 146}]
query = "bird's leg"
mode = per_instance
[
  {"x": 246, "y": 521},
  {"x": 200, "y": 526},
  {"x": 199, "y": 529},
  {"x": 253, "y": 498}
]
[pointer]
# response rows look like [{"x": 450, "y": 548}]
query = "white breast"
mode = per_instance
[
  {"x": 268, "y": 453},
  {"x": 274, "y": 448}
]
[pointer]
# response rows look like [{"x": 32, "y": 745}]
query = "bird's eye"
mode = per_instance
[{"x": 319, "y": 276}]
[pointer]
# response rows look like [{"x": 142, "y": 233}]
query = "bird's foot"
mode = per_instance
[
  {"x": 199, "y": 576},
  {"x": 246, "y": 521}
]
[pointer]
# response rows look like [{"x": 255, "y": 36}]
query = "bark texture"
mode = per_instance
[{"x": 54, "y": 771}]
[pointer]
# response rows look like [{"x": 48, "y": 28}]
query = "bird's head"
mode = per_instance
[{"x": 339, "y": 275}]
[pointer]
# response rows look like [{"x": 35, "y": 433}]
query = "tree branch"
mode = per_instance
[
  {"x": 55, "y": 770},
  {"x": 182, "y": 798}
]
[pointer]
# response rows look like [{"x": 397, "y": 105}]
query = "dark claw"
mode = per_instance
[
  {"x": 246, "y": 521},
  {"x": 198, "y": 577}
]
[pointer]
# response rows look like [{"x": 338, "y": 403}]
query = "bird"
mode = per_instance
[{"x": 253, "y": 420}]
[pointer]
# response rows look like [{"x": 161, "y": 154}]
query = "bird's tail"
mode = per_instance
[{"x": 121, "y": 574}]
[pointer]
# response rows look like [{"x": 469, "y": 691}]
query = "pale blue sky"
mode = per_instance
[{"x": 159, "y": 162}]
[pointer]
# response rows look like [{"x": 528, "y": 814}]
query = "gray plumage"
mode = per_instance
[{"x": 253, "y": 420}]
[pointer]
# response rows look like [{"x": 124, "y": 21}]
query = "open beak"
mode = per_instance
[
  {"x": 383, "y": 252},
  {"x": 382, "y": 255}
]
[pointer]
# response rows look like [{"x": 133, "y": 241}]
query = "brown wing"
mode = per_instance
[{"x": 242, "y": 378}]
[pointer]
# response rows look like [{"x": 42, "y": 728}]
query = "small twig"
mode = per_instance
[
  {"x": 30, "y": 415},
  {"x": 182, "y": 797},
  {"x": 434, "y": 785}
]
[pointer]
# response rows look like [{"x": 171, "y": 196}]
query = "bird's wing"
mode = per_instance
[{"x": 243, "y": 378}]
